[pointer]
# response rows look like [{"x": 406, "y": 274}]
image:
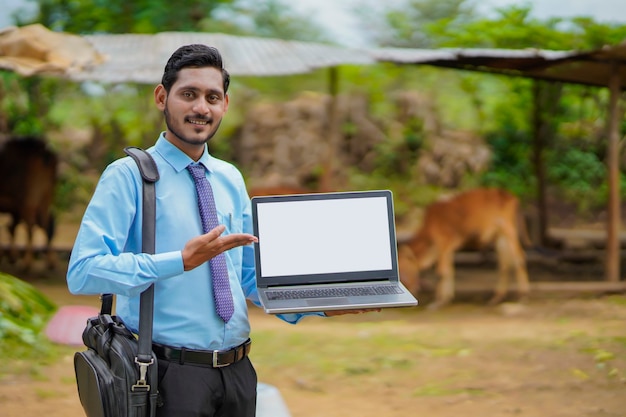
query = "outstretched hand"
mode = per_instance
[{"x": 207, "y": 246}]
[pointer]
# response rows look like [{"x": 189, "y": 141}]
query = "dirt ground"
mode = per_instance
[{"x": 558, "y": 355}]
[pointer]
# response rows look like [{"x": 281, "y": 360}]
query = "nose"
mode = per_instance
[{"x": 200, "y": 106}]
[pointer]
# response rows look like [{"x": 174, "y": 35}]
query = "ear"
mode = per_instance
[
  {"x": 226, "y": 100},
  {"x": 160, "y": 97}
]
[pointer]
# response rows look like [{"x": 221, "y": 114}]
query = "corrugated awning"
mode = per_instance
[
  {"x": 141, "y": 58},
  {"x": 587, "y": 67}
]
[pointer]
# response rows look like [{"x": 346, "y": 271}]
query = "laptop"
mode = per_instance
[{"x": 327, "y": 251}]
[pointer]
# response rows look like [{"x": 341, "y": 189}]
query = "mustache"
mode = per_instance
[{"x": 200, "y": 117}]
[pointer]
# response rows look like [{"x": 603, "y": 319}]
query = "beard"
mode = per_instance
[{"x": 172, "y": 127}]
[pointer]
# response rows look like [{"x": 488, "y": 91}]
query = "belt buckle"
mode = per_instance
[{"x": 216, "y": 363}]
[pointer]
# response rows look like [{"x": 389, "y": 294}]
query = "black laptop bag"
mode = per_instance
[{"x": 117, "y": 375}]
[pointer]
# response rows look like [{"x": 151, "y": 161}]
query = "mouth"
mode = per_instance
[{"x": 198, "y": 121}]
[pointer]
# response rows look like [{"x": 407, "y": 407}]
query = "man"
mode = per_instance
[{"x": 107, "y": 257}]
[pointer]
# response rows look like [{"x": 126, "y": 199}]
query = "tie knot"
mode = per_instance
[{"x": 197, "y": 171}]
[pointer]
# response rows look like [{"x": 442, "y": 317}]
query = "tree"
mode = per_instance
[
  {"x": 123, "y": 16},
  {"x": 269, "y": 18},
  {"x": 454, "y": 23},
  {"x": 409, "y": 25},
  {"x": 504, "y": 105}
]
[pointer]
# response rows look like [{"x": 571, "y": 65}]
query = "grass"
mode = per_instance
[
  {"x": 363, "y": 355},
  {"x": 32, "y": 360},
  {"x": 370, "y": 349},
  {"x": 437, "y": 356},
  {"x": 442, "y": 389},
  {"x": 24, "y": 312},
  {"x": 463, "y": 354},
  {"x": 616, "y": 299},
  {"x": 46, "y": 393}
]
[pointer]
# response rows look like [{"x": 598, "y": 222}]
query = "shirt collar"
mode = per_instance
[{"x": 177, "y": 158}]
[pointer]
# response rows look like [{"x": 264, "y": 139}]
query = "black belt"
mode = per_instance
[{"x": 213, "y": 358}]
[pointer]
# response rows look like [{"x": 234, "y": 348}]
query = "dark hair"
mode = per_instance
[{"x": 195, "y": 56}]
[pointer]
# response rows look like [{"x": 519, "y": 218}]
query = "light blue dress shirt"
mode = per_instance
[{"x": 107, "y": 257}]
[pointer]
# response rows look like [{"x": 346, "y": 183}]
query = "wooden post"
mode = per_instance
[
  {"x": 613, "y": 220},
  {"x": 546, "y": 96},
  {"x": 538, "y": 162}
]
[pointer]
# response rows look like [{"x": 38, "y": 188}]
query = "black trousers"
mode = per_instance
[{"x": 201, "y": 391}]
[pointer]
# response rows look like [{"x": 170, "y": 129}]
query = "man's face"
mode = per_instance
[{"x": 193, "y": 108}]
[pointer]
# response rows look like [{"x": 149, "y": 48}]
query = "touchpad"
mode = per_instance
[{"x": 328, "y": 301}]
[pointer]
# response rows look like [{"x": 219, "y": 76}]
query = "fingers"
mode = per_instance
[
  {"x": 214, "y": 233},
  {"x": 234, "y": 240},
  {"x": 224, "y": 243},
  {"x": 204, "y": 247}
]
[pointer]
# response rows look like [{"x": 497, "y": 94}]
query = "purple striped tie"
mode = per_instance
[{"x": 206, "y": 203}]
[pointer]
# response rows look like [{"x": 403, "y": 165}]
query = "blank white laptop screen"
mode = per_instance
[
  {"x": 338, "y": 235},
  {"x": 327, "y": 251}
]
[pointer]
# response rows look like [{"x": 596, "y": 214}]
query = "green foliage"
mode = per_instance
[
  {"x": 411, "y": 24},
  {"x": 511, "y": 166},
  {"x": 509, "y": 138},
  {"x": 513, "y": 28},
  {"x": 581, "y": 178},
  {"x": 454, "y": 23},
  {"x": 25, "y": 104},
  {"x": 24, "y": 312},
  {"x": 270, "y": 18},
  {"x": 499, "y": 107},
  {"x": 578, "y": 170},
  {"x": 591, "y": 35},
  {"x": 123, "y": 16},
  {"x": 396, "y": 156},
  {"x": 504, "y": 107}
]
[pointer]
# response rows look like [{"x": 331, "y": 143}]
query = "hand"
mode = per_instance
[
  {"x": 205, "y": 247},
  {"x": 342, "y": 312}
]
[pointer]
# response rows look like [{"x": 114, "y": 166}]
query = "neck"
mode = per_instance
[{"x": 194, "y": 151}]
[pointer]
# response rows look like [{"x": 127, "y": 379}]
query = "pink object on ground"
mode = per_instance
[{"x": 67, "y": 325}]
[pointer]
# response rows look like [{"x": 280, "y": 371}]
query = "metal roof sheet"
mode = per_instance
[
  {"x": 579, "y": 67},
  {"x": 141, "y": 58}
]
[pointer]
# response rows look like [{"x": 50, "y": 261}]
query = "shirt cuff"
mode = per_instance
[
  {"x": 168, "y": 264},
  {"x": 294, "y": 318}
]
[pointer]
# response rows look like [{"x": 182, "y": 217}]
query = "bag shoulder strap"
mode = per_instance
[
  {"x": 147, "y": 166},
  {"x": 150, "y": 175}
]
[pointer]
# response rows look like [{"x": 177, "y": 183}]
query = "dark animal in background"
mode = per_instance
[
  {"x": 483, "y": 217},
  {"x": 28, "y": 172}
]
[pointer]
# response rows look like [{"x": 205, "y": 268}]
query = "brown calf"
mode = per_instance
[{"x": 484, "y": 216}]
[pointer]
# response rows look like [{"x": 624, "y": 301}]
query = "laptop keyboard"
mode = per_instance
[{"x": 300, "y": 293}]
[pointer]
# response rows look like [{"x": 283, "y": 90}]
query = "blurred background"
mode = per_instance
[{"x": 353, "y": 121}]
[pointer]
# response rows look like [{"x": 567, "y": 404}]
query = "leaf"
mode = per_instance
[{"x": 580, "y": 374}]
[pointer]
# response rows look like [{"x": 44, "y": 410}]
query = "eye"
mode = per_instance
[
  {"x": 188, "y": 94},
  {"x": 213, "y": 98}
]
